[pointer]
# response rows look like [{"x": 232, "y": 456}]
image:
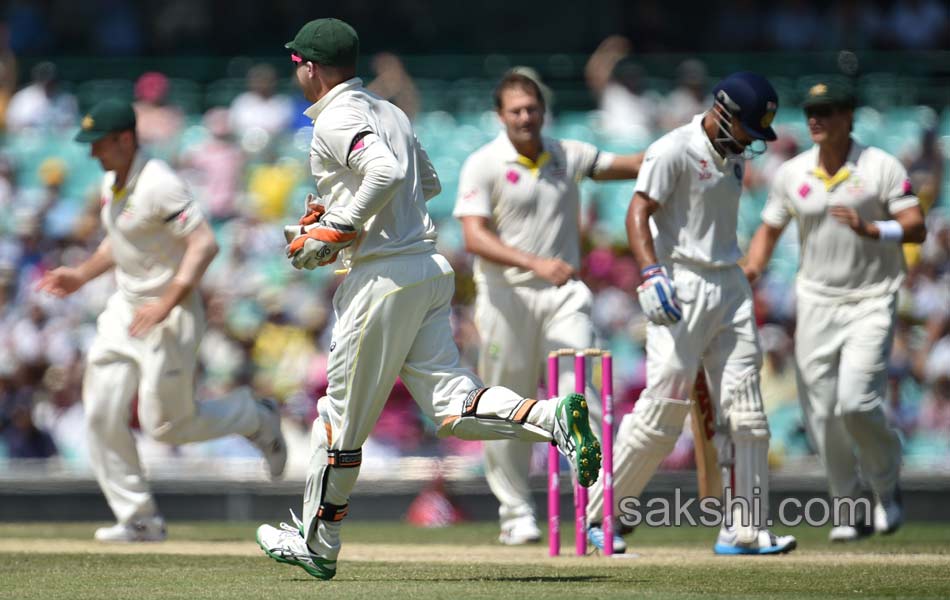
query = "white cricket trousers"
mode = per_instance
[
  {"x": 717, "y": 332},
  {"x": 841, "y": 351},
  {"x": 519, "y": 326},
  {"x": 393, "y": 319},
  {"x": 160, "y": 368}
]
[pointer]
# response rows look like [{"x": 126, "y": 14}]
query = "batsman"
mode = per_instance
[{"x": 681, "y": 226}]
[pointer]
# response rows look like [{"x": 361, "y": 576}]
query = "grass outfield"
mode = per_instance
[{"x": 392, "y": 560}]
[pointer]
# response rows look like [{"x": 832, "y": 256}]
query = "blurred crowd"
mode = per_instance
[
  {"x": 127, "y": 28},
  {"x": 268, "y": 325}
]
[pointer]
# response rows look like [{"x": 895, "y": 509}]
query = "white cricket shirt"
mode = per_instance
[
  {"x": 698, "y": 192},
  {"x": 837, "y": 263},
  {"x": 534, "y": 207},
  {"x": 346, "y": 122},
  {"x": 147, "y": 222}
]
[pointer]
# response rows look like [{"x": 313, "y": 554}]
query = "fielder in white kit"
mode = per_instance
[
  {"x": 519, "y": 206},
  {"x": 147, "y": 337},
  {"x": 854, "y": 207},
  {"x": 682, "y": 230},
  {"x": 393, "y": 306}
]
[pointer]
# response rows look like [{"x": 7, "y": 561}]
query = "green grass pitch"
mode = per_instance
[{"x": 384, "y": 561}]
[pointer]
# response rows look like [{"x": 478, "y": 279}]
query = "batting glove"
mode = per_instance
[
  {"x": 318, "y": 244},
  {"x": 657, "y": 296}
]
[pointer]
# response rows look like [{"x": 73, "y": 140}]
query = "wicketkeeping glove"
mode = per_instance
[
  {"x": 657, "y": 296},
  {"x": 317, "y": 244}
]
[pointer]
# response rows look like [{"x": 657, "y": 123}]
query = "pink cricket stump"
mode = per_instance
[
  {"x": 580, "y": 493},
  {"x": 554, "y": 458},
  {"x": 607, "y": 446}
]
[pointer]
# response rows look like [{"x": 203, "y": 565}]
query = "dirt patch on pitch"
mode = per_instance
[{"x": 447, "y": 553}]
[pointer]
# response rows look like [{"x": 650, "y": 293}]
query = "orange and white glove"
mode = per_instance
[{"x": 317, "y": 244}]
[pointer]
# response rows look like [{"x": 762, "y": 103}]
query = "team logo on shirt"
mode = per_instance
[
  {"x": 512, "y": 176},
  {"x": 804, "y": 190},
  {"x": 704, "y": 172},
  {"x": 907, "y": 188}
]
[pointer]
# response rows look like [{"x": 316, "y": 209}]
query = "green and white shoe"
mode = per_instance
[
  {"x": 287, "y": 545},
  {"x": 575, "y": 439}
]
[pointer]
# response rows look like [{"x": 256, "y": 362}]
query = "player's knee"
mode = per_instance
[
  {"x": 99, "y": 418},
  {"x": 654, "y": 423},
  {"x": 751, "y": 425}
]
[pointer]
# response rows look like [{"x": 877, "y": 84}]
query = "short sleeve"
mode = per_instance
[
  {"x": 174, "y": 204},
  {"x": 474, "y": 189},
  {"x": 777, "y": 212},
  {"x": 661, "y": 167},
  {"x": 898, "y": 194},
  {"x": 585, "y": 159}
]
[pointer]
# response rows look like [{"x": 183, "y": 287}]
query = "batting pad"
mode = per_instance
[
  {"x": 750, "y": 437},
  {"x": 645, "y": 437},
  {"x": 497, "y": 413}
]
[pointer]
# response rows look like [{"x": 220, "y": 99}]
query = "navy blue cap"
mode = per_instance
[{"x": 752, "y": 99}]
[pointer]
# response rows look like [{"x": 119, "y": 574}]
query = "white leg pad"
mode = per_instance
[
  {"x": 645, "y": 437},
  {"x": 750, "y": 436}
]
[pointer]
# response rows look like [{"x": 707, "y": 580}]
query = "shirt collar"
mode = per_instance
[
  {"x": 844, "y": 173},
  {"x": 138, "y": 163},
  {"x": 320, "y": 105},
  {"x": 702, "y": 140},
  {"x": 510, "y": 154}
]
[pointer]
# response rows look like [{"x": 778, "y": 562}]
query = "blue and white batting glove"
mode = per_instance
[{"x": 657, "y": 296}]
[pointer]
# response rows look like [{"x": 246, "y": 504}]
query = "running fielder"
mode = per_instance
[
  {"x": 519, "y": 206},
  {"x": 854, "y": 206},
  {"x": 147, "y": 337},
  {"x": 393, "y": 306},
  {"x": 682, "y": 229}
]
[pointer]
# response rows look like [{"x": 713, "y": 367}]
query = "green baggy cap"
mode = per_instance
[
  {"x": 104, "y": 118},
  {"x": 328, "y": 42},
  {"x": 830, "y": 92}
]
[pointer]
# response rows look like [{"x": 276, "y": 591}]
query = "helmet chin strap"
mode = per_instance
[{"x": 725, "y": 142}]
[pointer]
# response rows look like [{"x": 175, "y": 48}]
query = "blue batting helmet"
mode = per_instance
[{"x": 750, "y": 98}]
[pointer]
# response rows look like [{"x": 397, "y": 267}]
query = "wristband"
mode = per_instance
[
  {"x": 651, "y": 271},
  {"x": 889, "y": 231}
]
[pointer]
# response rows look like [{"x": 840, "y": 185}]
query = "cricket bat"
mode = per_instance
[{"x": 703, "y": 421}]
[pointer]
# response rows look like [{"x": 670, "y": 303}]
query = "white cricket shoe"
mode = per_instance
[
  {"x": 148, "y": 529},
  {"x": 519, "y": 531},
  {"x": 889, "y": 513},
  {"x": 847, "y": 533},
  {"x": 287, "y": 545},
  {"x": 764, "y": 542},
  {"x": 269, "y": 439}
]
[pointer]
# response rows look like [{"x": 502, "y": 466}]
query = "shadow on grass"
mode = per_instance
[{"x": 500, "y": 578}]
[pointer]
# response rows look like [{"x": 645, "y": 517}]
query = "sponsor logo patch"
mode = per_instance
[{"x": 804, "y": 190}]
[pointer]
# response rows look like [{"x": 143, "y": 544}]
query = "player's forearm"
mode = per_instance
[
  {"x": 382, "y": 176},
  {"x": 431, "y": 186},
  {"x": 200, "y": 251},
  {"x": 97, "y": 264},
  {"x": 761, "y": 248},
  {"x": 639, "y": 236},
  {"x": 623, "y": 167},
  {"x": 487, "y": 245}
]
